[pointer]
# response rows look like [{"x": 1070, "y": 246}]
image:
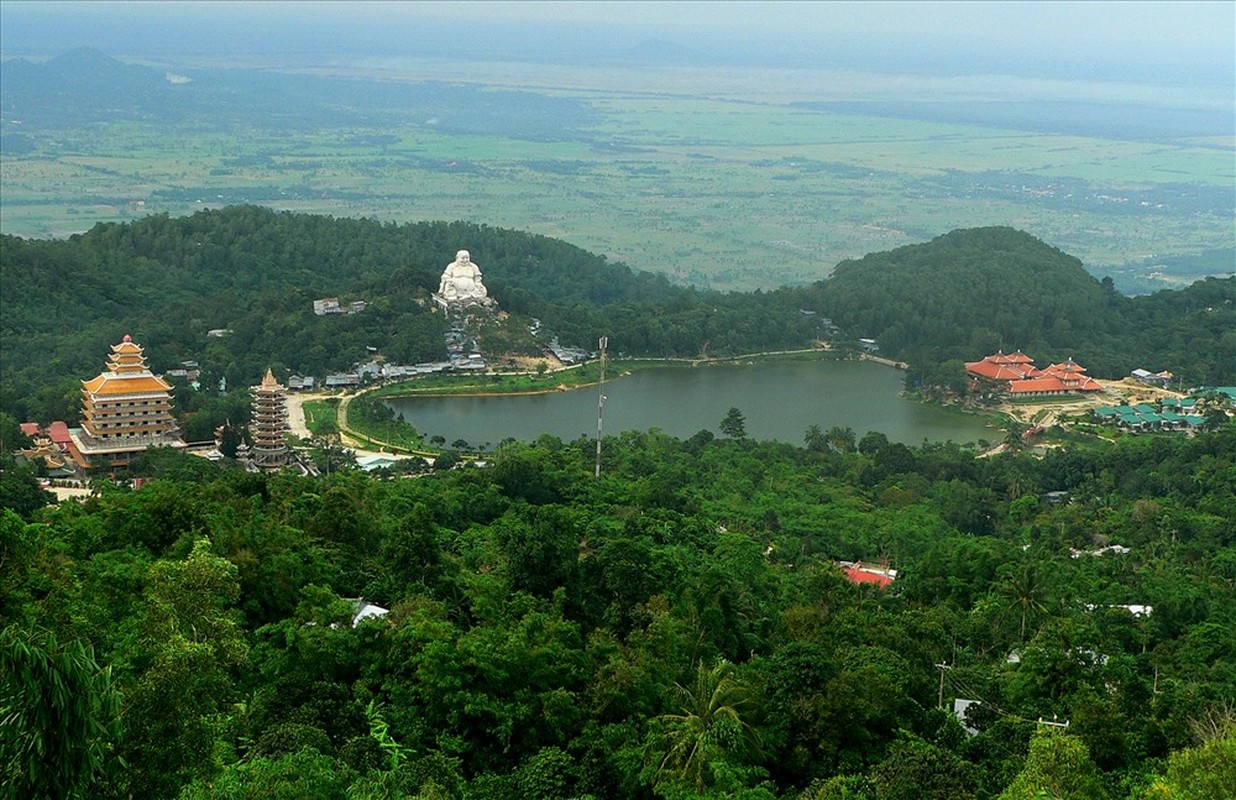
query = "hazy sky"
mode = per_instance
[{"x": 1169, "y": 41}]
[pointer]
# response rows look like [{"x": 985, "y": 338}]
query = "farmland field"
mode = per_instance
[{"x": 716, "y": 180}]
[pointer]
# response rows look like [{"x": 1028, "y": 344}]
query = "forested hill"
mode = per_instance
[
  {"x": 976, "y": 288},
  {"x": 971, "y": 292},
  {"x": 256, "y": 272}
]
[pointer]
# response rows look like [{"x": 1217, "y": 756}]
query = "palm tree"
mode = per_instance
[
  {"x": 708, "y": 726},
  {"x": 1024, "y": 590},
  {"x": 814, "y": 439},
  {"x": 842, "y": 439}
]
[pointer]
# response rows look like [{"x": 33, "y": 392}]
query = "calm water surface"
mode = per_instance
[{"x": 779, "y": 399}]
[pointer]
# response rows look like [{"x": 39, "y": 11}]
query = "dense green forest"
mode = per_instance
[
  {"x": 677, "y": 628},
  {"x": 255, "y": 272},
  {"x": 970, "y": 292}
]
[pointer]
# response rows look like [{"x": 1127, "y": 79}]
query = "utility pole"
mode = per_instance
[
  {"x": 604, "y": 343},
  {"x": 942, "y": 668}
]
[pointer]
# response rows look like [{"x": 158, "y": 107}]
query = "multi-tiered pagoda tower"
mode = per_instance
[
  {"x": 268, "y": 425},
  {"x": 125, "y": 410}
]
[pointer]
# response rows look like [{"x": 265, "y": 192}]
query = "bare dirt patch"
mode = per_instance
[{"x": 1122, "y": 392}]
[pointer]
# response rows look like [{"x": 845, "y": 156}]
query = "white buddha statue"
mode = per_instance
[{"x": 461, "y": 282}]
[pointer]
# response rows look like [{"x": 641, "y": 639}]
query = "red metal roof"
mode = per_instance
[{"x": 859, "y": 575}]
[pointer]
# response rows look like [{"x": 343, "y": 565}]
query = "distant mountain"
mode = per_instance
[
  {"x": 82, "y": 86},
  {"x": 85, "y": 86}
]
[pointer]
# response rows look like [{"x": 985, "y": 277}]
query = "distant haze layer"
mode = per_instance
[{"x": 1166, "y": 43}]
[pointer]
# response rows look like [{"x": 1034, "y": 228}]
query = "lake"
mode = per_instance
[{"x": 779, "y": 399}]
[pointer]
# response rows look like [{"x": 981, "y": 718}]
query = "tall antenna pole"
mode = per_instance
[{"x": 604, "y": 343}]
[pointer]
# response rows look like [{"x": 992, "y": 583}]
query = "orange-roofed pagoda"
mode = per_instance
[
  {"x": 125, "y": 410},
  {"x": 45, "y": 451},
  {"x": 268, "y": 425},
  {"x": 1022, "y": 379}
]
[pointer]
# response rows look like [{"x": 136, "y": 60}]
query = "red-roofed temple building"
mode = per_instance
[
  {"x": 125, "y": 410},
  {"x": 1020, "y": 378}
]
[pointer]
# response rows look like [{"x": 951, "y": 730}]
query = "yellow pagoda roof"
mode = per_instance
[
  {"x": 126, "y": 357},
  {"x": 111, "y": 383},
  {"x": 126, "y": 373},
  {"x": 46, "y": 450},
  {"x": 269, "y": 381}
]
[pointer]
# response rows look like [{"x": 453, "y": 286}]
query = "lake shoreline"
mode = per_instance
[
  {"x": 781, "y": 398},
  {"x": 401, "y": 389}
]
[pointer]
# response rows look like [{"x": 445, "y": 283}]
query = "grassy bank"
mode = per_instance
[
  {"x": 321, "y": 417},
  {"x": 569, "y": 377}
]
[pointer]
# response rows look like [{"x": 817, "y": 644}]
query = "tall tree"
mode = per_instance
[
  {"x": 734, "y": 424},
  {"x": 59, "y": 717},
  {"x": 1058, "y": 767}
]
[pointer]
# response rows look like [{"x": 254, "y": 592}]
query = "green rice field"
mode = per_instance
[{"x": 725, "y": 190}]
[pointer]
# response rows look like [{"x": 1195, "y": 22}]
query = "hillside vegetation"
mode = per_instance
[
  {"x": 255, "y": 272},
  {"x": 970, "y": 292}
]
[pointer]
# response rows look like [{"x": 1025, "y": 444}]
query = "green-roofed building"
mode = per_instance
[
  {"x": 1228, "y": 391},
  {"x": 1180, "y": 405}
]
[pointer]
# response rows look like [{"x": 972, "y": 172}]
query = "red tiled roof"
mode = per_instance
[
  {"x": 1036, "y": 385},
  {"x": 59, "y": 432},
  {"x": 29, "y": 428},
  {"x": 999, "y": 372},
  {"x": 1069, "y": 367},
  {"x": 1019, "y": 358},
  {"x": 1053, "y": 383},
  {"x": 1001, "y": 367},
  {"x": 1023, "y": 378}
]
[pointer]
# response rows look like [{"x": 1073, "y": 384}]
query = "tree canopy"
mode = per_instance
[{"x": 679, "y": 627}]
